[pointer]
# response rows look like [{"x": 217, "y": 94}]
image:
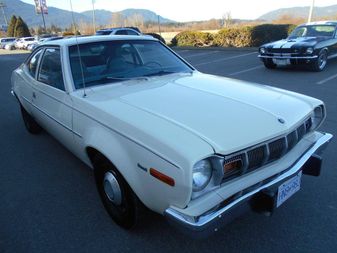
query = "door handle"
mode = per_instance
[{"x": 34, "y": 95}]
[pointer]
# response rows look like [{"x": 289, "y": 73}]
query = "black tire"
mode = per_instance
[
  {"x": 269, "y": 64},
  {"x": 31, "y": 125},
  {"x": 320, "y": 63},
  {"x": 127, "y": 212}
]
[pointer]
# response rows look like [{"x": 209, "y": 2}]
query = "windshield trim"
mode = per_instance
[{"x": 188, "y": 65}]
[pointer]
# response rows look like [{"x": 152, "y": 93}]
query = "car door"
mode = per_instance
[
  {"x": 52, "y": 105},
  {"x": 26, "y": 83}
]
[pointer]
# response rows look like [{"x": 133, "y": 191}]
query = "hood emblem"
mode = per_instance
[{"x": 282, "y": 121}]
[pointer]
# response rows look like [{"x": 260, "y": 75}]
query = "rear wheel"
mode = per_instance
[
  {"x": 31, "y": 125},
  {"x": 269, "y": 64},
  {"x": 118, "y": 198},
  {"x": 320, "y": 63}
]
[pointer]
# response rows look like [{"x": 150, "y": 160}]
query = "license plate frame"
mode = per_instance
[
  {"x": 281, "y": 62},
  {"x": 288, "y": 189}
]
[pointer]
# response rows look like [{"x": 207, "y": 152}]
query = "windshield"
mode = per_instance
[
  {"x": 313, "y": 31},
  {"x": 115, "y": 61}
]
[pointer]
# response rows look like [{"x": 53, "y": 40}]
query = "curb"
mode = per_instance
[{"x": 13, "y": 52}]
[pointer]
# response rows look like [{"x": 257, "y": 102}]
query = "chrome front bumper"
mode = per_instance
[
  {"x": 218, "y": 216},
  {"x": 288, "y": 57}
]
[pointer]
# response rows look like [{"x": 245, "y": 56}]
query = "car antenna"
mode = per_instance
[{"x": 78, "y": 49}]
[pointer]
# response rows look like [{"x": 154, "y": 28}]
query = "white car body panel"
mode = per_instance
[{"x": 167, "y": 122}]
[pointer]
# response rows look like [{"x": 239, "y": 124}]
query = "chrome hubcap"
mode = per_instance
[
  {"x": 112, "y": 189},
  {"x": 322, "y": 61}
]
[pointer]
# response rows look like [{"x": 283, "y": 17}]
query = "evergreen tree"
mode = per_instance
[
  {"x": 11, "y": 27},
  {"x": 21, "y": 29}
]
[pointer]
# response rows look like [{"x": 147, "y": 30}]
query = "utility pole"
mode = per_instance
[
  {"x": 311, "y": 11},
  {"x": 2, "y": 6},
  {"x": 44, "y": 21},
  {"x": 159, "y": 25},
  {"x": 93, "y": 16}
]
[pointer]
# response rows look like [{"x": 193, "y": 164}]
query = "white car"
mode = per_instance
[
  {"x": 6, "y": 41},
  {"x": 23, "y": 43},
  {"x": 196, "y": 148},
  {"x": 119, "y": 31}
]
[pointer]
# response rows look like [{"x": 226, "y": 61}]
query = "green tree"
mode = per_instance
[
  {"x": 21, "y": 28},
  {"x": 11, "y": 27}
]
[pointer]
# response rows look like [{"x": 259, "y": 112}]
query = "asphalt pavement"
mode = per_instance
[{"x": 49, "y": 203}]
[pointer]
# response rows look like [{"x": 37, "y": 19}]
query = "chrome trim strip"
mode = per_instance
[
  {"x": 289, "y": 57},
  {"x": 204, "y": 220}
]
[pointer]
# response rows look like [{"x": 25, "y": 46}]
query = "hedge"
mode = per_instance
[
  {"x": 243, "y": 36},
  {"x": 192, "y": 38},
  {"x": 157, "y": 36}
]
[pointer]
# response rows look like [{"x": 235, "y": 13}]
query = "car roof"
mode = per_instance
[
  {"x": 120, "y": 28},
  {"x": 330, "y": 22},
  {"x": 97, "y": 38}
]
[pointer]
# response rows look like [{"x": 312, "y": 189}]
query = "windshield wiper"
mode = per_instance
[
  {"x": 106, "y": 79},
  {"x": 160, "y": 73},
  {"x": 125, "y": 78}
]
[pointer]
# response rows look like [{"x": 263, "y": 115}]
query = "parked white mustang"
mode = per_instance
[{"x": 194, "y": 147}]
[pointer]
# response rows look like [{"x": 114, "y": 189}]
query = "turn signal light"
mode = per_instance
[
  {"x": 232, "y": 165},
  {"x": 162, "y": 177}
]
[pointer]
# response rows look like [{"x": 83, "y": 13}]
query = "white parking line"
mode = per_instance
[
  {"x": 224, "y": 59},
  {"x": 244, "y": 71},
  {"x": 327, "y": 79},
  {"x": 202, "y": 54}
]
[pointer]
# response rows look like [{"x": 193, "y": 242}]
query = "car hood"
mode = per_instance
[
  {"x": 228, "y": 114},
  {"x": 295, "y": 42}
]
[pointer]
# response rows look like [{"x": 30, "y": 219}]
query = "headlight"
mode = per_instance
[
  {"x": 262, "y": 50},
  {"x": 202, "y": 173},
  {"x": 310, "y": 50},
  {"x": 318, "y": 116}
]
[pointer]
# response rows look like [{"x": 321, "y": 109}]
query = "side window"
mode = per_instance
[
  {"x": 50, "y": 69},
  {"x": 121, "y": 32},
  {"x": 130, "y": 32},
  {"x": 32, "y": 63}
]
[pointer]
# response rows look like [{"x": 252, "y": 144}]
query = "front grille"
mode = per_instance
[
  {"x": 255, "y": 157},
  {"x": 282, "y": 51},
  {"x": 277, "y": 148},
  {"x": 292, "y": 139},
  {"x": 269, "y": 151}
]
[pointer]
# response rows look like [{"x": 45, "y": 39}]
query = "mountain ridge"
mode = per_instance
[
  {"x": 300, "y": 12},
  {"x": 63, "y": 18}
]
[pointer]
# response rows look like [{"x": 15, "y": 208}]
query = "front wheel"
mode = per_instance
[
  {"x": 320, "y": 63},
  {"x": 269, "y": 64},
  {"x": 31, "y": 125},
  {"x": 118, "y": 198}
]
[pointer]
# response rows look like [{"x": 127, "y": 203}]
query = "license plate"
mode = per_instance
[
  {"x": 288, "y": 188},
  {"x": 282, "y": 62}
]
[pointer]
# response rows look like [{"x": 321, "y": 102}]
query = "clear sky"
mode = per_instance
[{"x": 188, "y": 10}]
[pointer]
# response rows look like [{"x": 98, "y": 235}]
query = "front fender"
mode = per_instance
[{"x": 134, "y": 161}]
